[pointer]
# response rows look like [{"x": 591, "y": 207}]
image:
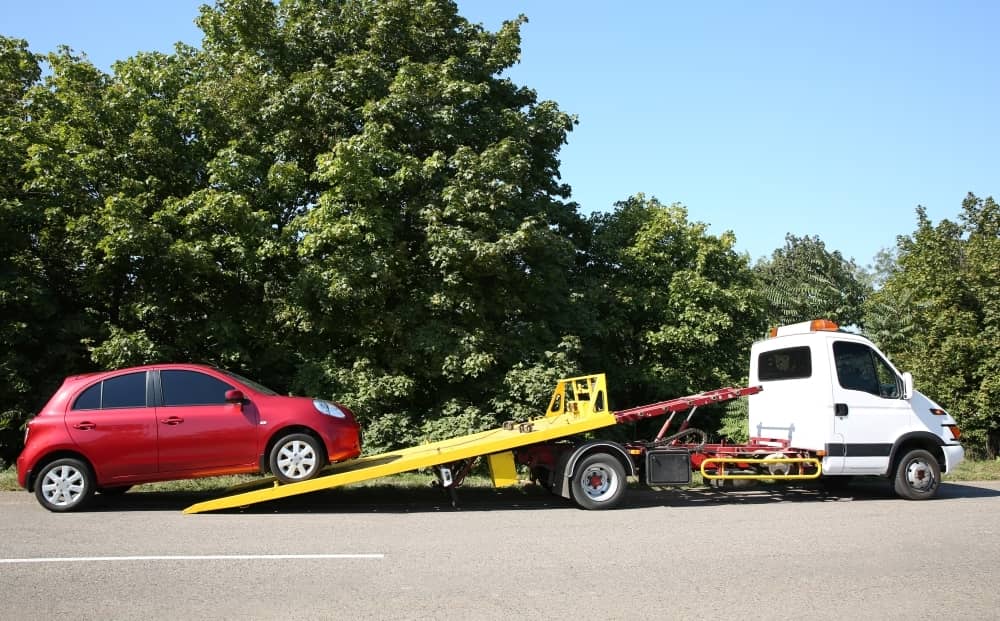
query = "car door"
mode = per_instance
[
  {"x": 114, "y": 428},
  {"x": 198, "y": 430},
  {"x": 869, "y": 409}
]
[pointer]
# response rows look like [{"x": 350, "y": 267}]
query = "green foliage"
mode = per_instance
[
  {"x": 734, "y": 425},
  {"x": 938, "y": 316},
  {"x": 804, "y": 281},
  {"x": 349, "y": 199},
  {"x": 673, "y": 308}
]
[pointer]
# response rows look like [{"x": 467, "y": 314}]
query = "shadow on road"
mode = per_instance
[{"x": 389, "y": 499}]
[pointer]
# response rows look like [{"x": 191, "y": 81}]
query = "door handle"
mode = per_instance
[
  {"x": 840, "y": 409},
  {"x": 173, "y": 420},
  {"x": 85, "y": 426}
]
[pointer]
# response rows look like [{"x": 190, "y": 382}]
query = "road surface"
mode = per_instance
[{"x": 756, "y": 554}]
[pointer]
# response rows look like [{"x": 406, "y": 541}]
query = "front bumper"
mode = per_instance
[{"x": 953, "y": 455}]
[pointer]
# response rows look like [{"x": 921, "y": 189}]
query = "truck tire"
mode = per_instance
[
  {"x": 917, "y": 475},
  {"x": 599, "y": 482}
]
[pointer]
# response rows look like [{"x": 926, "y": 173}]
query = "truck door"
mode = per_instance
[{"x": 869, "y": 409}]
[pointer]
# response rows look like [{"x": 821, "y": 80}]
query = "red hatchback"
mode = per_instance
[{"x": 105, "y": 432}]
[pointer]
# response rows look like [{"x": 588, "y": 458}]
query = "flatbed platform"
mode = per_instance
[{"x": 578, "y": 405}]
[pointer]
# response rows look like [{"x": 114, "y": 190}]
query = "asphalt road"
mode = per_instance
[{"x": 756, "y": 554}]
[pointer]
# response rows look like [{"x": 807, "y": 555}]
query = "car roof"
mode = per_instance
[{"x": 145, "y": 367}]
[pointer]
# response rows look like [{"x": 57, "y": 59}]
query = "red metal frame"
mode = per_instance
[
  {"x": 546, "y": 455},
  {"x": 681, "y": 404}
]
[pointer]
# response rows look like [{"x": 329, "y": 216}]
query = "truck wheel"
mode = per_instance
[
  {"x": 64, "y": 485},
  {"x": 917, "y": 475},
  {"x": 599, "y": 482}
]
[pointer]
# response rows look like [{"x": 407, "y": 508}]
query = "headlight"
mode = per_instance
[{"x": 330, "y": 409}]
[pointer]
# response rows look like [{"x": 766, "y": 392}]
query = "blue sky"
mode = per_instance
[{"x": 832, "y": 119}]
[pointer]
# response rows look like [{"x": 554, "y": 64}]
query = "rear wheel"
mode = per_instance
[
  {"x": 65, "y": 485},
  {"x": 599, "y": 482},
  {"x": 917, "y": 476},
  {"x": 296, "y": 457}
]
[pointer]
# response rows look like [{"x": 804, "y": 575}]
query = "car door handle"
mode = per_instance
[
  {"x": 840, "y": 409},
  {"x": 85, "y": 425},
  {"x": 173, "y": 420}
]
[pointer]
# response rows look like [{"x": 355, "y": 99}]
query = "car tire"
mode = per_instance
[
  {"x": 64, "y": 485},
  {"x": 296, "y": 457}
]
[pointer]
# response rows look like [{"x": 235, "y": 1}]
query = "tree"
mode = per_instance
[
  {"x": 938, "y": 316},
  {"x": 418, "y": 192},
  {"x": 24, "y": 295},
  {"x": 803, "y": 281},
  {"x": 673, "y": 309}
]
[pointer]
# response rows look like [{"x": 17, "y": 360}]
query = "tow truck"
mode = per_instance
[{"x": 823, "y": 403}]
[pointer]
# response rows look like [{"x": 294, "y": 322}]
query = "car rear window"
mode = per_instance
[
  {"x": 783, "y": 364},
  {"x": 89, "y": 399}
]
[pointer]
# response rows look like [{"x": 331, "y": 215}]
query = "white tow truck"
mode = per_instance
[{"x": 834, "y": 394}]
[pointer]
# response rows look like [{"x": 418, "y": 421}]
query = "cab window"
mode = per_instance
[
  {"x": 783, "y": 364},
  {"x": 859, "y": 367}
]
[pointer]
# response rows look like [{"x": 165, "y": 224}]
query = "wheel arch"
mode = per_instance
[
  {"x": 916, "y": 440},
  {"x": 566, "y": 466},
  {"x": 287, "y": 430},
  {"x": 48, "y": 458}
]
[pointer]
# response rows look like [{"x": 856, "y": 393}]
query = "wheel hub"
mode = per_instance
[
  {"x": 919, "y": 476},
  {"x": 596, "y": 480}
]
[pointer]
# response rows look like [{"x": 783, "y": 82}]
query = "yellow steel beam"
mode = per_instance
[{"x": 578, "y": 405}]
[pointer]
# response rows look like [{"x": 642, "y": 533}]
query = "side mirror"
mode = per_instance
[
  {"x": 907, "y": 386},
  {"x": 234, "y": 396}
]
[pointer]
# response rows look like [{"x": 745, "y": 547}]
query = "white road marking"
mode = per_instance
[{"x": 205, "y": 557}]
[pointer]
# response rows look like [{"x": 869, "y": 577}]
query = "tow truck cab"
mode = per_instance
[{"x": 835, "y": 393}]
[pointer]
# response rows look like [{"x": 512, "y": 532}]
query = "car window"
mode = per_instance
[
  {"x": 89, "y": 399},
  {"x": 124, "y": 391},
  {"x": 783, "y": 364},
  {"x": 192, "y": 388}
]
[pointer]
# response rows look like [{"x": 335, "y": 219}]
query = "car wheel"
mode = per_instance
[
  {"x": 65, "y": 485},
  {"x": 599, "y": 482},
  {"x": 296, "y": 457},
  {"x": 917, "y": 476}
]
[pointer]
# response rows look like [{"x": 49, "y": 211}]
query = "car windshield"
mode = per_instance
[{"x": 249, "y": 382}]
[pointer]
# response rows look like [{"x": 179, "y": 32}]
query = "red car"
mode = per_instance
[{"x": 105, "y": 432}]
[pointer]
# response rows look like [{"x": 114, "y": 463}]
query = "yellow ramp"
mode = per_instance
[{"x": 578, "y": 405}]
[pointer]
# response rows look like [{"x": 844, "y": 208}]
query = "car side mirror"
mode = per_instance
[
  {"x": 907, "y": 386},
  {"x": 235, "y": 396}
]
